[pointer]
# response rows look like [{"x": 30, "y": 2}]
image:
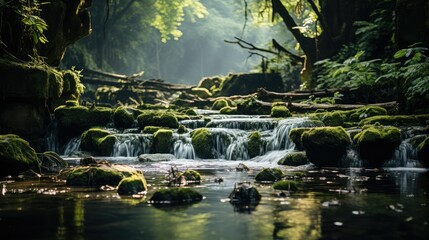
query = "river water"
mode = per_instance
[{"x": 350, "y": 202}]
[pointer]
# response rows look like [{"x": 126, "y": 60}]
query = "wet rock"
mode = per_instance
[
  {"x": 366, "y": 112},
  {"x": 98, "y": 141},
  {"x": 294, "y": 159},
  {"x": 191, "y": 176},
  {"x": 176, "y": 196},
  {"x": 244, "y": 197},
  {"x": 157, "y": 118},
  {"x": 397, "y": 120},
  {"x": 286, "y": 185},
  {"x": 16, "y": 155},
  {"x": 241, "y": 84},
  {"x": 377, "y": 144},
  {"x": 219, "y": 104},
  {"x": 295, "y": 135},
  {"x": 202, "y": 140},
  {"x": 162, "y": 140},
  {"x": 255, "y": 144},
  {"x": 123, "y": 118},
  {"x": 156, "y": 157},
  {"x": 242, "y": 167},
  {"x": 280, "y": 112},
  {"x": 251, "y": 106},
  {"x": 98, "y": 175},
  {"x": 132, "y": 185},
  {"x": 325, "y": 146},
  {"x": 269, "y": 175}
]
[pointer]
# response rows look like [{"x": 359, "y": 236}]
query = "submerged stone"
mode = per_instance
[
  {"x": 325, "y": 146},
  {"x": 244, "y": 194},
  {"x": 156, "y": 157},
  {"x": 286, "y": 185},
  {"x": 377, "y": 144},
  {"x": 190, "y": 176},
  {"x": 269, "y": 175},
  {"x": 16, "y": 155},
  {"x": 176, "y": 196},
  {"x": 132, "y": 185},
  {"x": 294, "y": 159}
]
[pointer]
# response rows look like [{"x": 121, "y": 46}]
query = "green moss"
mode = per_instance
[
  {"x": 157, "y": 118},
  {"x": 190, "y": 112},
  {"x": 152, "y": 129},
  {"x": 251, "y": 106},
  {"x": 182, "y": 129},
  {"x": 255, "y": 144},
  {"x": 176, "y": 196},
  {"x": 286, "y": 185},
  {"x": 294, "y": 159},
  {"x": 295, "y": 135},
  {"x": 269, "y": 175},
  {"x": 123, "y": 118},
  {"x": 72, "y": 103},
  {"x": 202, "y": 140},
  {"x": 191, "y": 175},
  {"x": 16, "y": 155},
  {"x": 132, "y": 185},
  {"x": 71, "y": 83},
  {"x": 280, "y": 111},
  {"x": 398, "y": 120},
  {"x": 228, "y": 110},
  {"x": 336, "y": 118},
  {"x": 423, "y": 152},
  {"x": 219, "y": 104},
  {"x": 377, "y": 144},
  {"x": 210, "y": 83},
  {"x": 162, "y": 141},
  {"x": 366, "y": 112},
  {"x": 325, "y": 146},
  {"x": 98, "y": 141}
]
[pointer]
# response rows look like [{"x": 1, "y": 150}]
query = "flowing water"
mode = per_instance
[{"x": 331, "y": 203}]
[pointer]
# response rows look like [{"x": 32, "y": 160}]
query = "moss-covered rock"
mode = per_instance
[
  {"x": 295, "y": 136},
  {"x": 211, "y": 83},
  {"x": 132, "y": 185},
  {"x": 122, "y": 118},
  {"x": 244, "y": 196},
  {"x": 176, "y": 196},
  {"x": 294, "y": 159},
  {"x": 201, "y": 92},
  {"x": 280, "y": 111},
  {"x": 336, "y": 118},
  {"x": 162, "y": 140},
  {"x": 72, "y": 103},
  {"x": 219, "y": 104},
  {"x": 377, "y": 144},
  {"x": 255, "y": 144},
  {"x": 189, "y": 112},
  {"x": 202, "y": 140},
  {"x": 98, "y": 141},
  {"x": 286, "y": 185},
  {"x": 16, "y": 155},
  {"x": 152, "y": 129},
  {"x": 242, "y": 84},
  {"x": 269, "y": 175},
  {"x": 98, "y": 175},
  {"x": 251, "y": 106},
  {"x": 366, "y": 112},
  {"x": 397, "y": 120},
  {"x": 228, "y": 110},
  {"x": 191, "y": 176},
  {"x": 182, "y": 129},
  {"x": 423, "y": 152},
  {"x": 157, "y": 118},
  {"x": 325, "y": 146}
]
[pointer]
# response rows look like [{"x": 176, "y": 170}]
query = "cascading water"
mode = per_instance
[
  {"x": 253, "y": 123},
  {"x": 52, "y": 135},
  {"x": 183, "y": 148},
  {"x": 131, "y": 145},
  {"x": 71, "y": 146}
]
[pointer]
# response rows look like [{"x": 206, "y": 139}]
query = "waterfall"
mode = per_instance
[
  {"x": 183, "y": 148},
  {"x": 131, "y": 145},
  {"x": 261, "y": 124},
  {"x": 71, "y": 146},
  {"x": 52, "y": 135},
  {"x": 193, "y": 124},
  {"x": 280, "y": 137},
  {"x": 230, "y": 144}
]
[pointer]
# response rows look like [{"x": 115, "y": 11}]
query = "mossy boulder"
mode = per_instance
[
  {"x": 182, "y": 129},
  {"x": 228, "y": 110},
  {"x": 219, "y": 104},
  {"x": 251, "y": 106},
  {"x": 269, "y": 175},
  {"x": 242, "y": 84},
  {"x": 176, "y": 196},
  {"x": 366, "y": 112},
  {"x": 336, "y": 118},
  {"x": 286, "y": 185},
  {"x": 211, "y": 83},
  {"x": 190, "y": 176},
  {"x": 423, "y": 152},
  {"x": 162, "y": 140},
  {"x": 294, "y": 159},
  {"x": 377, "y": 144},
  {"x": 202, "y": 140},
  {"x": 397, "y": 120},
  {"x": 152, "y": 129},
  {"x": 98, "y": 141},
  {"x": 201, "y": 92},
  {"x": 157, "y": 118},
  {"x": 280, "y": 111},
  {"x": 295, "y": 136},
  {"x": 16, "y": 156},
  {"x": 255, "y": 144},
  {"x": 132, "y": 185},
  {"x": 123, "y": 118},
  {"x": 98, "y": 175},
  {"x": 325, "y": 146}
]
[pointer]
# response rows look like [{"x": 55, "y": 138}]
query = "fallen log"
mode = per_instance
[
  {"x": 264, "y": 94},
  {"x": 302, "y": 107}
]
